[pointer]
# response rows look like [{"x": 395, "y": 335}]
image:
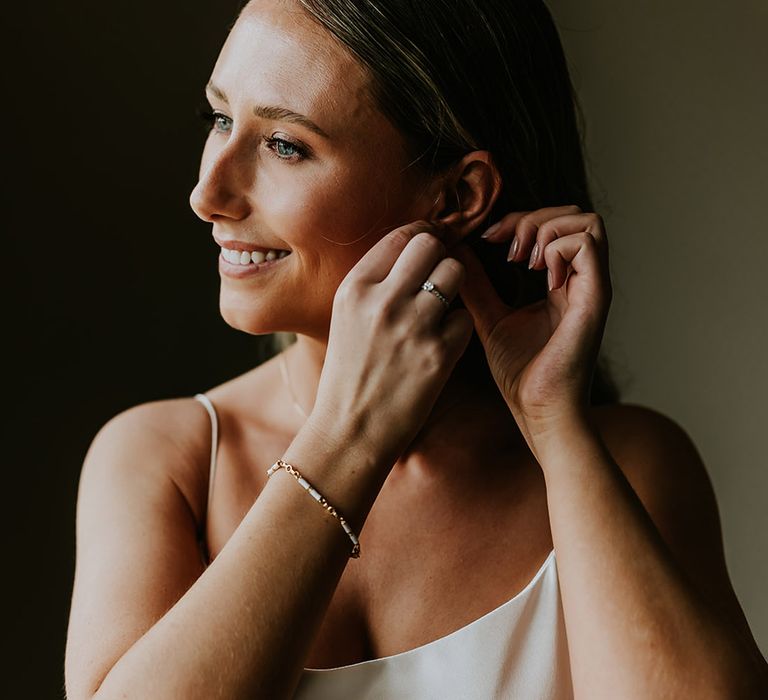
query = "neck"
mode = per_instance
[{"x": 469, "y": 418}]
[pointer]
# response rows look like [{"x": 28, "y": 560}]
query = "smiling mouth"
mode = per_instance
[
  {"x": 256, "y": 257},
  {"x": 240, "y": 268}
]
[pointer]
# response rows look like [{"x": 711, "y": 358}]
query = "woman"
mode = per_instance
[{"x": 515, "y": 531}]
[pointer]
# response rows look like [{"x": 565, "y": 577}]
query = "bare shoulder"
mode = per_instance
[
  {"x": 620, "y": 421},
  {"x": 177, "y": 432},
  {"x": 140, "y": 503},
  {"x": 136, "y": 550},
  {"x": 166, "y": 423},
  {"x": 659, "y": 459},
  {"x": 665, "y": 469},
  {"x": 663, "y": 465},
  {"x": 171, "y": 436},
  {"x": 147, "y": 448}
]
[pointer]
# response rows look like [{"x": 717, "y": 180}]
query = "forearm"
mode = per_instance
[
  {"x": 636, "y": 626},
  {"x": 244, "y": 628}
]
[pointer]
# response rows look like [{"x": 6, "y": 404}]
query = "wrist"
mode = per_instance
[
  {"x": 341, "y": 466},
  {"x": 347, "y": 437},
  {"x": 560, "y": 437}
]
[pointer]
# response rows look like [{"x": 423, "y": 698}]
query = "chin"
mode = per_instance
[
  {"x": 247, "y": 310},
  {"x": 248, "y": 321},
  {"x": 261, "y": 314}
]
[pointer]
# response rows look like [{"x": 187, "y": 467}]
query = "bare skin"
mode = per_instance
[
  {"x": 461, "y": 522},
  {"x": 476, "y": 522}
]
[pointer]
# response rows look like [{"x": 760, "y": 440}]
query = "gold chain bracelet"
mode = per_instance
[{"x": 320, "y": 499}]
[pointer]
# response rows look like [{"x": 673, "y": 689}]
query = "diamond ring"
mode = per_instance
[{"x": 430, "y": 287}]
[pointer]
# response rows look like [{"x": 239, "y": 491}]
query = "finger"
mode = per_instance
[
  {"x": 581, "y": 252},
  {"x": 415, "y": 262},
  {"x": 378, "y": 261},
  {"x": 478, "y": 294},
  {"x": 559, "y": 227},
  {"x": 446, "y": 277},
  {"x": 506, "y": 228},
  {"x": 528, "y": 227},
  {"x": 583, "y": 304}
]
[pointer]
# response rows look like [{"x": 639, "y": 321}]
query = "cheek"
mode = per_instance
[{"x": 349, "y": 213}]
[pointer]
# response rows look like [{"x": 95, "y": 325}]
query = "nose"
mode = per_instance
[{"x": 221, "y": 191}]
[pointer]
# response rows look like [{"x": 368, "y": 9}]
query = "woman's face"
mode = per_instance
[{"x": 345, "y": 184}]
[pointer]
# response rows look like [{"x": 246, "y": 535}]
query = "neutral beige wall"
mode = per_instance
[{"x": 675, "y": 98}]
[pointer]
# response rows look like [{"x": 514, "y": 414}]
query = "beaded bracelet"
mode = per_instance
[{"x": 320, "y": 499}]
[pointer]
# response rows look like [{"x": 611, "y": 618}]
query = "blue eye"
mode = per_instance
[
  {"x": 220, "y": 121},
  {"x": 214, "y": 120},
  {"x": 277, "y": 146},
  {"x": 282, "y": 149}
]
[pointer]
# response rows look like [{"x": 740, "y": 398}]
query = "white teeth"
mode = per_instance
[{"x": 243, "y": 257}]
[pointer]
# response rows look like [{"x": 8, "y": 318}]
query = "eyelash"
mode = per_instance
[{"x": 210, "y": 117}]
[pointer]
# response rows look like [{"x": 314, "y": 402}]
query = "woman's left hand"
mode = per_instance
[{"x": 543, "y": 355}]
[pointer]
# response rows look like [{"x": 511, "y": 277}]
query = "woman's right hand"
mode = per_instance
[{"x": 391, "y": 345}]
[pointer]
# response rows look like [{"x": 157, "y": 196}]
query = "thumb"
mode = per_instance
[{"x": 478, "y": 294}]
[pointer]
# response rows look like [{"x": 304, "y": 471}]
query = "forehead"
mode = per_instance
[{"x": 276, "y": 55}]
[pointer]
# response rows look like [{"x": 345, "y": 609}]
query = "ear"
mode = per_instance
[{"x": 466, "y": 196}]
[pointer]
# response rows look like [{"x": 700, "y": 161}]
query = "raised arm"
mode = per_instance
[{"x": 145, "y": 622}]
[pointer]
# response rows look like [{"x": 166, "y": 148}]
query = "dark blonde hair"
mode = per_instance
[{"x": 461, "y": 75}]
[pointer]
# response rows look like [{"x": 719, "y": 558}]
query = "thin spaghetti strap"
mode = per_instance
[{"x": 203, "y": 399}]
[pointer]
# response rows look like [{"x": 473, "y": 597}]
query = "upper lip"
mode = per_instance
[{"x": 232, "y": 244}]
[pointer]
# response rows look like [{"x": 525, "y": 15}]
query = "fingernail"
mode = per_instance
[
  {"x": 549, "y": 280},
  {"x": 513, "y": 252},
  {"x": 491, "y": 230},
  {"x": 534, "y": 253}
]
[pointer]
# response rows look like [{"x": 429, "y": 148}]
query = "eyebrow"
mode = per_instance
[{"x": 273, "y": 112}]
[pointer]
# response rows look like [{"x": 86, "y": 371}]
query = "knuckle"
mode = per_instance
[
  {"x": 455, "y": 266},
  {"x": 414, "y": 228},
  {"x": 400, "y": 237},
  {"x": 547, "y": 227},
  {"x": 429, "y": 242},
  {"x": 351, "y": 289},
  {"x": 596, "y": 226},
  {"x": 344, "y": 292},
  {"x": 380, "y": 315}
]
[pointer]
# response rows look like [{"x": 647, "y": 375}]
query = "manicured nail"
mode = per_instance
[
  {"x": 491, "y": 230},
  {"x": 513, "y": 252},
  {"x": 534, "y": 253},
  {"x": 549, "y": 280}
]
